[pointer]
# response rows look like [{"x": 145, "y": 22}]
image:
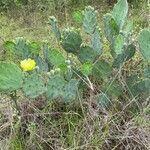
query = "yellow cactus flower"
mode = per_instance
[{"x": 28, "y": 64}]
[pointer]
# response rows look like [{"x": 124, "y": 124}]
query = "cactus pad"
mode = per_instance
[
  {"x": 34, "y": 85},
  {"x": 71, "y": 41},
  {"x": 144, "y": 42},
  {"x": 11, "y": 77}
]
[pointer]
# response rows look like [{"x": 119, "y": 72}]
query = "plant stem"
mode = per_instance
[{"x": 14, "y": 98}]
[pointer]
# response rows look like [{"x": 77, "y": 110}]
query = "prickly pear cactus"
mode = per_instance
[
  {"x": 138, "y": 86},
  {"x": 119, "y": 44},
  {"x": 101, "y": 69},
  {"x": 11, "y": 77},
  {"x": 60, "y": 89},
  {"x": 147, "y": 71},
  {"x": 34, "y": 48},
  {"x": 111, "y": 28},
  {"x": 87, "y": 54},
  {"x": 71, "y": 41},
  {"x": 55, "y": 29},
  {"x": 96, "y": 42},
  {"x": 22, "y": 48},
  {"x": 86, "y": 68},
  {"x": 9, "y": 46},
  {"x": 127, "y": 54},
  {"x": 120, "y": 12},
  {"x": 91, "y": 27},
  {"x": 144, "y": 42},
  {"x": 42, "y": 64},
  {"x": 90, "y": 20},
  {"x": 71, "y": 90},
  {"x": 55, "y": 57},
  {"x": 45, "y": 50},
  {"x": 34, "y": 85},
  {"x": 55, "y": 87}
]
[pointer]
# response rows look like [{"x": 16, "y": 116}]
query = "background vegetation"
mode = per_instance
[{"x": 56, "y": 126}]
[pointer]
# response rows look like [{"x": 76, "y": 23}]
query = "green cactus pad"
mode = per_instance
[
  {"x": 34, "y": 85},
  {"x": 147, "y": 71},
  {"x": 9, "y": 46},
  {"x": 71, "y": 41},
  {"x": 138, "y": 86},
  {"x": 125, "y": 56},
  {"x": 119, "y": 44},
  {"x": 55, "y": 57},
  {"x": 22, "y": 48},
  {"x": 101, "y": 69},
  {"x": 87, "y": 54},
  {"x": 55, "y": 87},
  {"x": 120, "y": 12},
  {"x": 70, "y": 90},
  {"x": 96, "y": 42},
  {"x": 11, "y": 77},
  {"x": 89, "y": 21},
  {"x": 144, "y": 42},
  {"x": 110, "y": 27},
  {"x": 34, "y": 48},
  {"x": 60, "y": 89},
  {"x": 43, "y": 66},
  {"x": 86, "y": 68},
  {"x": 55, "y": 29}
]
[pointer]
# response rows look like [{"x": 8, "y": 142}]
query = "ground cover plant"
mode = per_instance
[{"x": 88, "y": 93}]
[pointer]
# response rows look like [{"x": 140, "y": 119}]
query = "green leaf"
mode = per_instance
[
  {"x": 120, "y": 12},
  {"x": 144, "y": 42},
  {"x": 55, "y": 57},
  {"x": 11, "y": 77},
  {"x": 34, "y": 85}
]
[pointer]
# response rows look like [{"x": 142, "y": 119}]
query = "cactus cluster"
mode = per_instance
[{"x": 60, "y": 77}]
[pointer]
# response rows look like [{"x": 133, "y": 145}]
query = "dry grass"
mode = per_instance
[{"x": 44, "y": 125}]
